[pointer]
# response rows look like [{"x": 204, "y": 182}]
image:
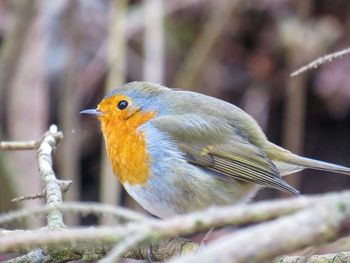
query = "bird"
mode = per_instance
[{"x": 177, "y": 151}]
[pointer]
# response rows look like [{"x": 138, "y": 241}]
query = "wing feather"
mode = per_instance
[{"x": 217, "y": 146}]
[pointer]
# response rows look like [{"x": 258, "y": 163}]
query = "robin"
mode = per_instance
[{"x": 180, "y": 151}]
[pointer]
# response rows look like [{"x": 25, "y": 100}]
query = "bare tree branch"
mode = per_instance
[
  {"x": 35, "y": 256},
  {"x": 65, "y": 185},
  {"x": 110, "y": 189},
  {"x": 153, "y": 43},
  {"x": 204, "y": 43},
  {"x": 264, "y": 242},
  {"x": 13, "y": 43},
  {"x": 28, "y": 145},
  {"x": 303, "y": 228},
  {"x": 52, "y": 185},
  {"x": 329, "y": 258},
  {"x": 98, "y": 209},
  {"x": 25, "y": 145},
  {"x": 322, "y": 60}
]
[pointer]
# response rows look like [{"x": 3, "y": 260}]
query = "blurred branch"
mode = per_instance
[
  {"x": 153, "y": 66},
  {"x": 304, "y": 228},
  {"x": 97, "y": 209},
  {"x": 27, "y": 145},
  {"x": 110, "y": 189},
  {"x": 10, "y": 52},
  {"x": 322, "y": 60},
  {"x": 68, "y": 161},
  {"x": 294, "y": 121},
  {"x": 221, "y": 13},
  {"x": 97, "y": 68},
  {"x": 13, "y": 43},
  {"x": 339, "y": 245},
  {"x": 8, "y": 184},
  {"x": 136, "y": 20}
]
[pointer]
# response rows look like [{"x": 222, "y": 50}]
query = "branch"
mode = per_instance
[
  {"x": 72, "y": 207},
  {"x": 200, "y": 50},
  {"x": 13, "y": 44},
  {"x": 36, "y": 255},
  {"x": 52, "y": 185},
  {"x": 329, "y": 258},
  {"x": 65, "y": 185},
  {"x": 184, "y": 224},
  {"x": 307, "y": 227},
  {"x": 158, "y": 251},
  {"x": 339, "y": 245},
  {"x": 322, "y": 60},
  {"x": 163, "y": 250},
  {"x": 26, "y": 145}
]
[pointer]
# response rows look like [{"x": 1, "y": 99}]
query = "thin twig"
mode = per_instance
[
  {"x": 29, "y": 197},
  {"x": 322, "y": 60},
  {"x": 26, "y": 145},
  {"x": 64, "y": 188}
]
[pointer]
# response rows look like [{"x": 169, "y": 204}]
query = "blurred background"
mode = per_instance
[{"x": 59, "y": 57}]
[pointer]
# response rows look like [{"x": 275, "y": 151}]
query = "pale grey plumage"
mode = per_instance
[{"x": 205, "y": 151}]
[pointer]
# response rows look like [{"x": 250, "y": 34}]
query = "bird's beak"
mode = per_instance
[{"x": 91, "y": 112}]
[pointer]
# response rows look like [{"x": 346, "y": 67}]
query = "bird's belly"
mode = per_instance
[
  {"x": 188, "y": 193},
  {"x": 177, "y": 187}
]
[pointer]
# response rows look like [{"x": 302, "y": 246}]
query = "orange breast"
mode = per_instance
[{"x": 126, "y": 148}]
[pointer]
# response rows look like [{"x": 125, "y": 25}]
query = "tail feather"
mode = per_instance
[{"x": 315, "y": 164}]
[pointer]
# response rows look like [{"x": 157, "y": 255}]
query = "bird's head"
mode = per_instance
[{"x": 134, "y": 100}]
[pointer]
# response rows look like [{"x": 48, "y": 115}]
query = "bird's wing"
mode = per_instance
[{"x": 216, "y": 146}]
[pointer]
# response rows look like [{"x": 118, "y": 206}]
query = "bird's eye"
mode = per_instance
[{"x": 122, "y": 104}]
